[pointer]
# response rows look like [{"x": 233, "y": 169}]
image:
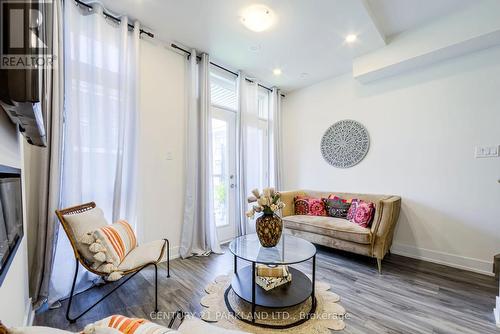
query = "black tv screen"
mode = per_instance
[{"x": 11, "y": 217}]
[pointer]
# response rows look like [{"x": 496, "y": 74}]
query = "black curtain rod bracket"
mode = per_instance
[
  {"x": 188, "y": 53},
  {"x": 114, "y": 18},
  {"x": 175, "y": 46}
]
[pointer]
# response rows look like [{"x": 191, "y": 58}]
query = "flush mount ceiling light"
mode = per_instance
[
  {"x": 351, "y": 38},
  {"x": 257, "y": 18},
  {"x": 277, "y": 71}
]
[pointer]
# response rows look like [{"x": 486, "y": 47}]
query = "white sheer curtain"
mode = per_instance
[
  {"x": 275, "y": 140},
  {"x": 100, "y": 128},
  {"x": 248, "y": 150},
  {"x": 199, "y": 233},
  {"x": 258, "y": 145}
]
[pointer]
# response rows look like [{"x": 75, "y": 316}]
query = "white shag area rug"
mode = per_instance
[{"x": 329, "y": 314}]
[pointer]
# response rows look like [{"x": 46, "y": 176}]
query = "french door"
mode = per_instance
[{"x": 223, "y": 171}]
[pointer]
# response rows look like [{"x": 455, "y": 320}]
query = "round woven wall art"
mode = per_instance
[{"x": 345, "y": 143}]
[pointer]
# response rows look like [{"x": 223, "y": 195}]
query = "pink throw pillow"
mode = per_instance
[
  {"x": 361, "y": 212},
  {"x": 309, "y": 206}
]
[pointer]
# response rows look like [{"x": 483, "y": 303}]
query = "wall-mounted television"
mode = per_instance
[
  {"x": 11, "y": 217},
  {"x": 26, "y": 64}
]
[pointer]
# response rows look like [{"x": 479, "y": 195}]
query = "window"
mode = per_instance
[{"x": 223, "y": 89}]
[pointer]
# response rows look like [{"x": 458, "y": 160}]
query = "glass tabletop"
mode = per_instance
[{"x": 289, "y": 250}]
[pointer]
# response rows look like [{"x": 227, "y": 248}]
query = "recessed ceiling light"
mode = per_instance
[
  {"x": 351, "y": 38},
  {"x": 277, "y": 71},
  {"x": 257, "y": 18},
  {"x": 255, "y": 48}
]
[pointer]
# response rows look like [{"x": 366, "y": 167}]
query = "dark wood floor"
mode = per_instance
[{"x": 410, "y": 296}]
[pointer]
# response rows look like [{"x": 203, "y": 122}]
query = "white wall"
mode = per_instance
[
  {"x": 423, "y": 126},
  {"x": 162, "y": 112},
  {"x": 14, "y": 295}
]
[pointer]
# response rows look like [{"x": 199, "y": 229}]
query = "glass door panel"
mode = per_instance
[{"x": 223, "y": 171}]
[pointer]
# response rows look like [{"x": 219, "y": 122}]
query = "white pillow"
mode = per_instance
[
  {"x": 102, "y": 330},
  {"x": 193, "y": 325},
  {"x": 37, "y": 330},
  {"x": 48, "y": 330},
  {"x": 83, "y": 223}
]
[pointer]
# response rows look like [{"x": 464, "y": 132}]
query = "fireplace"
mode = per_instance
[{"x": 11, "y": 217}]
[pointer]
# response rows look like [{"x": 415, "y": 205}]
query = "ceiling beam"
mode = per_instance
[
  {"x": 374, "y": 20},
  {"x": 473, "y": 29}
]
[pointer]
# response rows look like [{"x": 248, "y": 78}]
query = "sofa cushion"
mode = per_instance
[
  {"x": 365, "y": 197},
  {"x": 333, "y": 227}
]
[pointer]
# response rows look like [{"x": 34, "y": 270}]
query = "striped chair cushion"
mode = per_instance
[
  {"x": 117, "y": 239},
  {"x": 127, "y": 325}
]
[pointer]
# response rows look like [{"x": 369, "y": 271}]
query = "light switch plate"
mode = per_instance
[{"x": 487, "y": 151}]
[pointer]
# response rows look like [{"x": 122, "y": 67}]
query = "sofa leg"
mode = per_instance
[{"x": 379, "y": 265}]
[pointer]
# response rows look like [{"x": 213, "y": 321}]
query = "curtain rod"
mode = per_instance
[
  {"x": 114, "y": 18},
  {"x": 175, "y": 46},
  {"x": 150, "y": 34}
]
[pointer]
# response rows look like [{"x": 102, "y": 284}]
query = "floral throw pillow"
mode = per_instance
[
  {"x": 337, "y": 207},
  {"x": 309, "y": 206},
  {"x": 361, "y": 212}
]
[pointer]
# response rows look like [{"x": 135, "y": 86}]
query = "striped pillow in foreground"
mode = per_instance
[{"x": 127, "y": 325}]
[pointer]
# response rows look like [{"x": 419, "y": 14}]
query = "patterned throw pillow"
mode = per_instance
[
  {"x": 118, "y": 239},
  {"x": 337, "y": 207},
  {"x": 343, "y": 200},
  {"x": 361, "y": 212},
  {"x": 110, "y": 244},
  {"x": 301, "y": 205},
  {"x": 127, "y": 325},
  {"x": 309, "y": 206}
]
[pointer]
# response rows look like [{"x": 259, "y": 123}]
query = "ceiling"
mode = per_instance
[
  {"x": 397, "y": 16},
  {"x": 306, "y": 42}
]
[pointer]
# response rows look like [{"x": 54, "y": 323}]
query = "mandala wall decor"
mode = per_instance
[{"x": 345, "y": 143}]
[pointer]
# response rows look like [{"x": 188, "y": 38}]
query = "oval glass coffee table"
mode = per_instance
[{"x": 290, "y": 250}]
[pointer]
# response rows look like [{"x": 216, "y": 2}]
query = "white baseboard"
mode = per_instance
[
  {"x": 29, "y": 315},
  {"x": 496, "y": 312},
  {"x": 450, "y": 260}
]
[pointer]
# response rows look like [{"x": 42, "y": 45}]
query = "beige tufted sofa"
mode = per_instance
[{"x": 338, "y": 233}]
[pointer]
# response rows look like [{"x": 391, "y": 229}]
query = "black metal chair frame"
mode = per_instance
[
  {"x": 80, "y": 260},
  {"x": 125, "y": 280}
]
